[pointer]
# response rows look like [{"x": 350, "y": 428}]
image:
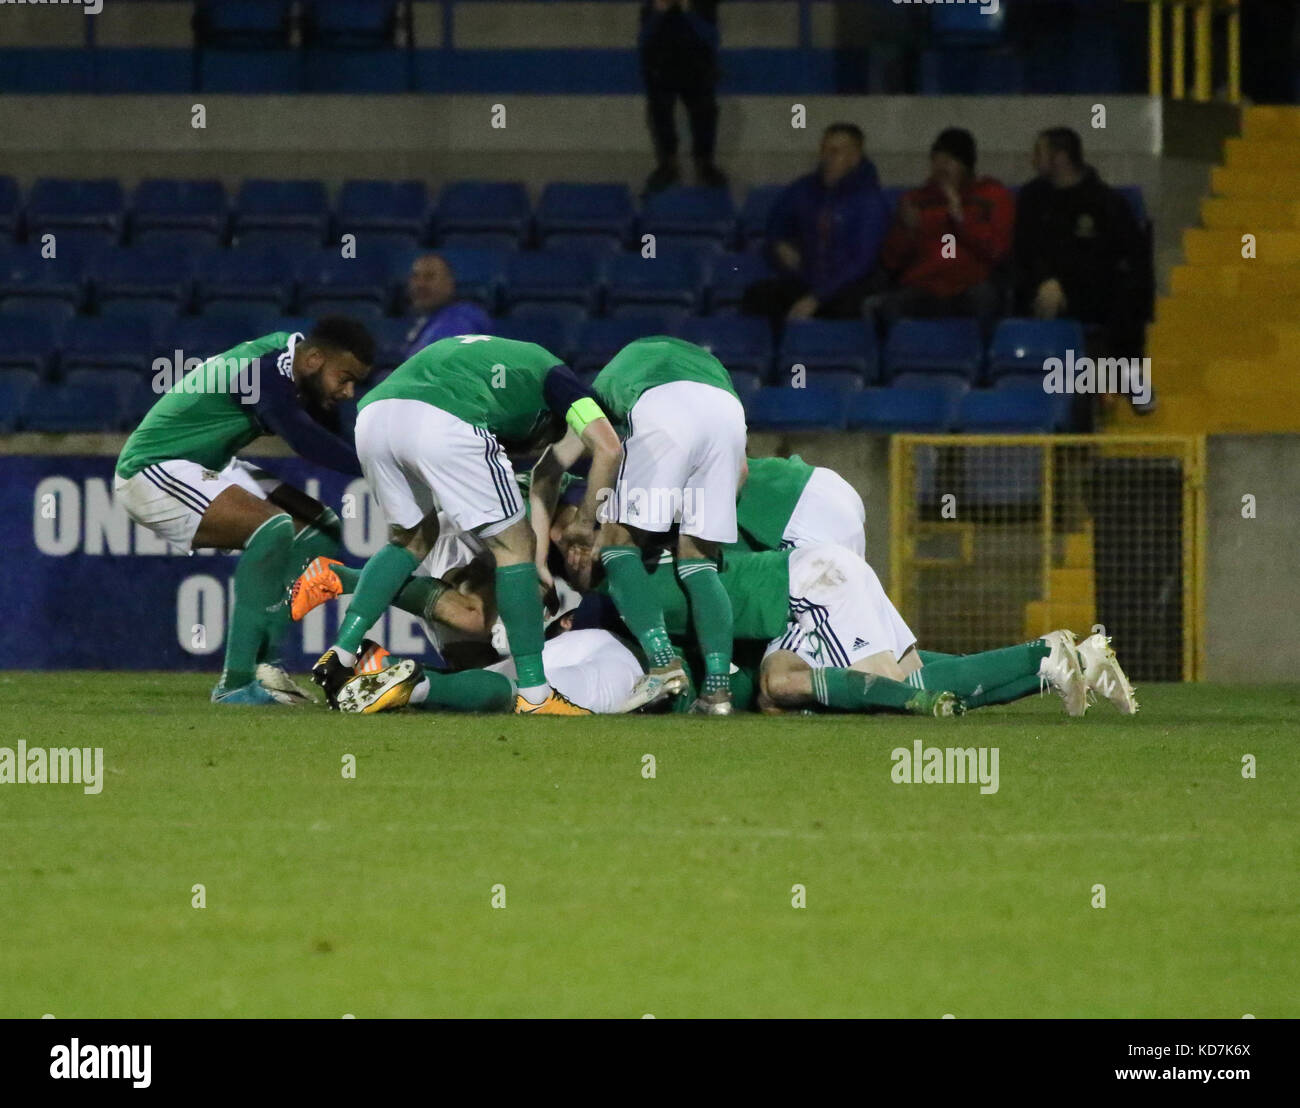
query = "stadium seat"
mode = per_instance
[
  {"x": 28, "y": 342},
  {"x": 57, "y": 312},
  {"x": 479, "y": 272},
  {"x": 730, "y": 275},
  {"x": 831, "y": 345},
  {"x": 65, "y": 408},
  {"x": 746, "y": 382},
  {"x": 551, "y": 276},
  {"x": 232, "y": 277},
  {"x": 600, "y": 339},
  {"x": 123, "y": 382},
  {"x": 738, "y": 342},
  {"x": 267, "y": 205},
  {"x": 705, "y": 213},
  {"x": 967, "y": 24},
  {"x": 94, "y": 207},
  {"x": 755, "y": 211},
  {"x": 108, "y": 342},
  {"x": 833, "y": 380},
  {"x": 934, "y": 346},
  {"x": 15, "y": 386},
  {"x": 243, "y": 24},
  {"x": 954, "y": 382},
  {"x": 637, "y": 285},
  {"x": 203, "y": 336},
  {"x": 502, "y": 241},
  {"x": 1022, "y": 345},
  {"x": 889, "y": 410},
  {"x": 281, "y": 240},
  {"x": 553, "y": 330},
  {"x": 390, "y": 342},
  {"x": 387, "y": 206},
  {"x": 1137, "y": 204},
  {"x": 190, "y": 240},
  {"x": 1011, "y": 411},
  {"x": 347, "y": 283},
  {"x": 9, "y": 206},
  {"x": 601, "y": 211},
  {"x": 479, "y": 206},
  {"x": 137, "y": 272},
  {"x": 349, "y": 24},
  {"x": 162, "y": 204},
  {"x": 787, "y": 409},
  {"x": 159, "y": 314}
]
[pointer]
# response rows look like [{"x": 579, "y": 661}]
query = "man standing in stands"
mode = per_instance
[
  {"x": 823, "y": 237},
  {"x": 1078, "y": 250},
  {"x": 679, "y": 57},
  {"x": 949, "y": 238},
  {"x": 431, "y": 290}
]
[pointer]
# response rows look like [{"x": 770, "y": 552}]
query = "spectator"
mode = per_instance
[
  {"x": 1078, "y": 249},
  {"x": 431, "y": 290},
  {"x": 824, "y": 236},
  {"x": 679, "y": 58},
  {"x": 938, "y": 275}
]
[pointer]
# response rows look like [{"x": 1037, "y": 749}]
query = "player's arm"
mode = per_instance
[{"x": 281, "y": 412}]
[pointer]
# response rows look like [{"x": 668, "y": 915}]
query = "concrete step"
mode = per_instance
[
  {"x": 1236, "y": 213},
  {"x": 1205, "y": 247}
]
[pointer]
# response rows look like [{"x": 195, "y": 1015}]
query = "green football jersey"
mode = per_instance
[
  {"x": 758, "y": 585},
  {"x": 768, "y": 499},
  {"x": 486, "y": 381},
  {"x": 201, "y": 418},
  {"x": 658, "y": 360}
]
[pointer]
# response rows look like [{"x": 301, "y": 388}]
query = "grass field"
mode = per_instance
[{"x": 627, "y": 895}]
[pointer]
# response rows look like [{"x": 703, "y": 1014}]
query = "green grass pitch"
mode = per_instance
[{"x": 625, "y": 895}]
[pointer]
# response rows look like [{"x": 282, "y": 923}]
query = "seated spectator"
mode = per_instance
[
  {"x": 938, "y": 275},
  {"x": 1078, "y": 249},
  {"x": 823, "y": 237},
  {"x": 431, "y": 290}
]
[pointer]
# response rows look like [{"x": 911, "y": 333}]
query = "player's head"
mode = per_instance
[
  {"x": 333, "y": 359},
  {"x": 841, "y": 151},
  {"x": 431, "y": 283},
  {"x": 952, "y": 157},
  {"x": 1058, "y": 152}
]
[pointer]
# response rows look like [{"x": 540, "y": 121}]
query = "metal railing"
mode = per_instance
[{"x": 1203, "y": 15}]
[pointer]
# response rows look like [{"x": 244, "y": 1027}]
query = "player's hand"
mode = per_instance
[
  {"x": 544, "y": 577},
  {"x": 787, "y": 255},
  {"x": 803, "y": 308},
  {"x": 1049, "y": 300}
]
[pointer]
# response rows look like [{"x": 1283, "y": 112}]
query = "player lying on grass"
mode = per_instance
[
  {"x": 430, "y": 440},
  {"x": 177, "y": 475},
  {"x": 787, "y": 502}
]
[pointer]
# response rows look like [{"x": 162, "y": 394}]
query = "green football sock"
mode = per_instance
[
  {"x": 1005, "y": 694},
  {"x": 417, "y": 596},
  {"x": 379, "y": 582},
  {"x": 519, "y": 603},
  {"x": 473, "y": 690},
  {"x": 852, "y": 691},
  {"x": 711, "y": 619},
  {"x": 975, "y": 673},
  {"x": 629, "y": 585},
  {"x": 259, "y": 587},
  {"x": 318, "y": 539}
]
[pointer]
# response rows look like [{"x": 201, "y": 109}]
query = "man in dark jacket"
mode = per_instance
[
  {"x": 1078, "y": 250},
  {"x": 823, "y": 237},
  {"x": 679, "y": 58}
]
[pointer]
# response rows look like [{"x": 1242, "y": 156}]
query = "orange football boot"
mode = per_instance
[{"x": 314, "y": 586}]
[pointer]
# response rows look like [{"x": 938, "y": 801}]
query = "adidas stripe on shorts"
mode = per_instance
[{"x": 171, "y": 497}]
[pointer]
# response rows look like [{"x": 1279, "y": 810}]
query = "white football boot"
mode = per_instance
[
  {"x": 281, "y": 686},
  {"x": 1061, "y": 670},
  {"x": 1103, "y": 675}
]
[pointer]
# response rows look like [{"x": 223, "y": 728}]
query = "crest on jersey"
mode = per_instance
[{"x": 284, "y": 363}]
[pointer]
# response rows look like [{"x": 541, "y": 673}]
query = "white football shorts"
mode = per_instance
[{"x": 170, "y": 497}]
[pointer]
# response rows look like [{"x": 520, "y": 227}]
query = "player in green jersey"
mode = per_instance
[
  {"x": 433, "y": 437},
  {"x": 787, "y": 502},
  {"x": 684, "y": 459},
  {"x": 177, "y": 475}
]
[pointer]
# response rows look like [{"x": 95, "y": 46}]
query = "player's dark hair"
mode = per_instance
[
  {"x": 1065, "y": 141},
  {"x": 340, "y": 332},
  {"x": 851, "y": 129}
]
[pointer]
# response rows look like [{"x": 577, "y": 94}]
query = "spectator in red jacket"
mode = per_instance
[{"x": 950, "y": 237}]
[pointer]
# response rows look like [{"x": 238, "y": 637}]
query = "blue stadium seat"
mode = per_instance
[
  {"x": 705, "y": 250},
  {"x": 787, "y": 409},
  {"x": 479, "y": 272},
  {"x": 638, "y": 285},
  {"x": 954, "y": 382},
  {"x": 1136, "y": 202},
  {"x": 690, "y": 210},
  {"x": 189, "y": 240},
  {"x": 108, "y": 342},
  {"x": 600, "y": 249},
  {"x": 243, "y": 24},
  {"x": 28, "y": 342},
  {"x": 600, "y": 339},
  {"x": 1022, "y": 345},
  {"x": 746, "y": 382},
  {"x": 57, "y": 204},
  {"x": 738, "y": 342},
  {"x": 203, "y": 336},
  {"x": 590, "y": 210},
  {"x": 1012, "y": 411},
  {"x": 64, "y": 408},
  {"x": 551, "y": 276},
  {"x": 58, "y": 312},
  {"x": 24, "y": 272},
  {"x": 367, "y": 279},
  {"x": 477, "y": 206},
  {"x": 262, "y": 276},
  {"x": 350, "y": 24},
  {"x": 834, "y": 380},
  {"x": 756, "y": 210},
  {"x": 123, "y": 382},
  {"x": 831, "y": 345},
  {"x": 160, "y": 203},
  {"x": 9, "y": 206},
  {"x": 281, "y": 240},
  {"x": 889, "y": 410},
  {"x": 267, "y": 205},
  {"x": 160, "y": 314},
  {"x": 132, "y": 273},
  {"x": 967, "y": 24},
  {"x": 934, "y": 346},
  {"x": 15, "y": 386},
  {"x": 391, "y": 342},
  {"x": 390, "y": 206},
  {"x": 480, "y": 240},
  {"x": 289, "y": 323},
  {"x": 731, "y": 275},
  {"x": 554, "y": 330}
]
